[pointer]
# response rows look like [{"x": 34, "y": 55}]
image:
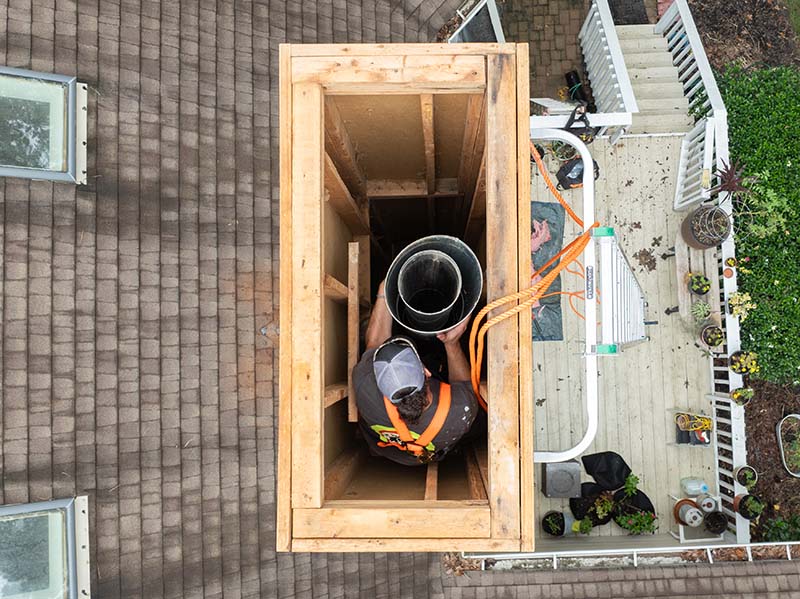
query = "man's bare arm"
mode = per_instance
[
  {"x": 457, "y": 364},
  {"x": 379, "y": 328}
]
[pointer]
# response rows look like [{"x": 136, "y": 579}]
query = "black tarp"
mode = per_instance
[{"x": 607, "y": 468}]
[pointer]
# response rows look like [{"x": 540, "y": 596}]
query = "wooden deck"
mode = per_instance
[{"x": 639, "y": 388}]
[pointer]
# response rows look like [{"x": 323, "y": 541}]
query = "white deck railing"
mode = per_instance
[
  {"x": 700, "y": 89},
  {"x": 605, "y": 66},
  {"x": 706, "y": 148},
  {"x": 695, "y": 166}
]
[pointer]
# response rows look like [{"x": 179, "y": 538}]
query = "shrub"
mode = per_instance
[
  {"x": 764, "y": 128},
  {"x": 777, "y": 530}
]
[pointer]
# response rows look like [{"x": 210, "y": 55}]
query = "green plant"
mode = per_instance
[
  {"x": 699, "y": 283},
  {"x": 631, "y": 482},
  {"x": 753, "y": 505},
  {"x": 780, "y": 529},
  {"x": 553, "y": 522},
  {"x": 747, "y": 478},
  {"x": 638, "y": 523},
  {"x": 764, "y": 212},
  {"x": 760, "y": 100},
  {"x": 583, "y": 527},
  {"x": 713, "y": 336},
  {"x": 792, "y": 453},
  {"x": 740, "y": 304},
  {"x": 700, "y": 311},
  {"x": 603, "y": 505},
  {"x": 742, "y": 395},
  {"x": 744, "y": 362}
]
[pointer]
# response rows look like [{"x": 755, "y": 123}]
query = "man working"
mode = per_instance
[{"x": 406, "y": 415}]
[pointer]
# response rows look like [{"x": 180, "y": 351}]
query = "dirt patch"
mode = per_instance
[
  {"x": 746, "y": 32},
  {"x": 779, "y": 490}
]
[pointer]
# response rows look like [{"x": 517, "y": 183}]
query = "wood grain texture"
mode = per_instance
[
  {"x": 307, "y": 296},
  {"x": 427, "y": 520},
  {"x": 353, "y": 271},
  {"x": 502, "y": 279},
  {"x": 344, "y": 50},
  {"x": 283, "y": 540},
  {"x": 410, "y": 188},
  {"x": 426, "y": 110},
  {"x": 342, "y": 201},
  {"x": 341, "y": 472},
  {"x": 432, "y": 481},
  {"x": 454, "y": 72},
  {"x": 335, "y": 393},
  {"x": 339, "y": 147},
  {"x": 334, "y": 288},
  {"x": 477, "y": 488},
  {"x": 420, "y": 545},
  {"x": 526, "y": 412}
]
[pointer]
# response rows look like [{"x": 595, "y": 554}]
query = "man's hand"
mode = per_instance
[{"x": 453, "y": 335}]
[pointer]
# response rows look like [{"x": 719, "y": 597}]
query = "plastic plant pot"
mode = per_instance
[
  {"x": 712, "y": 335},
  {"x": 745, "y": 505},
  {"x": 554, "y": 523},
  {"x": 699, "y": 284},
  {"x": 716, "y": 523},
  {"x": 746, "y": 476}
]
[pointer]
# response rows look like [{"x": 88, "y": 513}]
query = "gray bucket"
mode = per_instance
[{"x": 433, "y": 285}]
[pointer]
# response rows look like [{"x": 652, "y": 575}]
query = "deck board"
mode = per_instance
[{"x": 639, "y": 387}]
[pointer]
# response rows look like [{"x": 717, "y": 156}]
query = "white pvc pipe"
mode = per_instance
[{"x": 590, "y": 323}]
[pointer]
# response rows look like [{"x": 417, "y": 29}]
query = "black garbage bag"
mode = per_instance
[
  {"x": 581, "y": 507},
  {"x": 638, "y": 502},
  {"x": 607, "y": 468}
]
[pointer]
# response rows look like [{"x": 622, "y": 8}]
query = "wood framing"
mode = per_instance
[
  {"x": 432, "y": 482},
  {"x": 330, "y": 170},
  {"x": 526, "y": 402},
  {"x": 410, "y": 188},
  {"x": 353, "y": 272},
  {"x": 502, "y": 279},
  {"x": 340, "y": 149}
]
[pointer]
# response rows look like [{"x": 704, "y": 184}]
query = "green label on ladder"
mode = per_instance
[
  {"x": 603, "y": 232},
  {"x": 607, "y": 348}
]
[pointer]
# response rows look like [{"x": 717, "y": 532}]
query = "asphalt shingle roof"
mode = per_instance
[{"x": 133, "y": 365}]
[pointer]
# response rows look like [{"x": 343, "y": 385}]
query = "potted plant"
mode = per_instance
[
  {"x": 700, "y": 311},
  {"x": 716, "y": 523},
  {"x": 748, "y": 506},
  {"x": 583, "y": 527},
  {"x": 731, "y": 262},
  {"x": 788, "y": 430},
  {"x": 705, "y": 227},
  {"x": 742, "y": 396},
  {"x": 712, "y": 335},
  {"x": 638, "y": 523},
  {"x": 603, "y": 506},
  {"x": 744, "y": 362},
  {"x": 557, "y": 523},
  {"x": 746, "y": 476},
  {"x": 699, "y": 283},
  {"x": 740, "y": 304}
]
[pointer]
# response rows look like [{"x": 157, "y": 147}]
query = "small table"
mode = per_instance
[{"x": 689, "y": 260}]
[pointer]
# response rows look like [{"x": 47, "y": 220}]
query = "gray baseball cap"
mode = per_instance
[{"x": 398, "y": 369}]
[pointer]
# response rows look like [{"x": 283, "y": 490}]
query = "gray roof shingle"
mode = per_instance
[{"x": 133, "y": 369}]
